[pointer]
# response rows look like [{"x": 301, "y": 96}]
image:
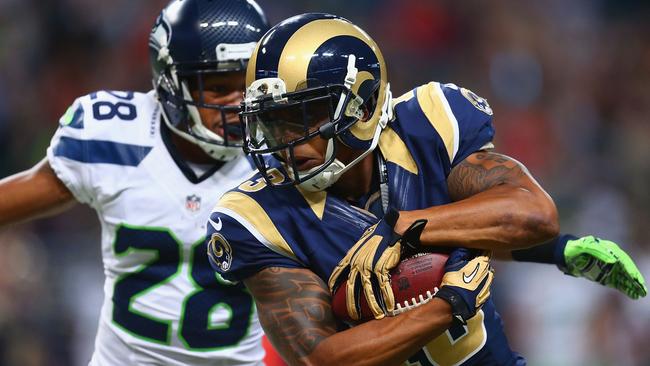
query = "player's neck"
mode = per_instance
[
  {"x": 357, "y": 181},
  {"x": 189, "y": 151}
]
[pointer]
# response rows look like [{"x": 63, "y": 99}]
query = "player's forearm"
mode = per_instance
[
  {"x": 550, "y": 251},
  {"x": 31, "y": 194},
  {"x": 389, "y": 341},
  {"x": 294, "y": 307},
  {"x": 504, "y": 217},
  {"x": 497, "y": 205}
]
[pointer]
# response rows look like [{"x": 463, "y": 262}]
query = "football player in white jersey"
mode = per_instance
[{"x": 153, "y": 165}]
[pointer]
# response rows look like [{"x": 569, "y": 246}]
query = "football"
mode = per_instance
[{"x": 414, "y": 282}]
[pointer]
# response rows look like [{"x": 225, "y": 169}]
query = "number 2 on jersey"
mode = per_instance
[{"x": 210, "y": 295}]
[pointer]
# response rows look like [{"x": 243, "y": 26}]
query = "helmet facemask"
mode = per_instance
[
  {"x": 190, "y": 41},
  {"x": 181, "y": 110}
]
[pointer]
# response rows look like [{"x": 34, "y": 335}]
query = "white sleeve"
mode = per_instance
[{"x": 67, "y": 154}]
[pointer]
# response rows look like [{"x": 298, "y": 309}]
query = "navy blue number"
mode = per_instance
[
  {"x": 196, "y": 331},
  {"x": 457, "y": 331},
  {"x": 103, "y": 110},
  {"x": 164, "y": 265},
  {"x": 420, "y": 359}
]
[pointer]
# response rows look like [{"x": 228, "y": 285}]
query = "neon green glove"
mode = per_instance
[{"x": 603, "y": 261}]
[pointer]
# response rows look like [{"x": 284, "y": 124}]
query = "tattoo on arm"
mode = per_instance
[
  {"x": 481, "y": 171},
  {"x": 294, "y": 309}
]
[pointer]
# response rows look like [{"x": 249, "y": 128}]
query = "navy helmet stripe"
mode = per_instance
[
  {"x": 267, "y": 66},
  {"x": 333, "y": 69},
  {"x": 97, "y": 151}
]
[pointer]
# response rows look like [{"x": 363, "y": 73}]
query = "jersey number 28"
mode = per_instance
[{"x": 196, "y": 330}]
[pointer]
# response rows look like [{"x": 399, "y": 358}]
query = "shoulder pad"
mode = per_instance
[
  {"x": 461, "y": 119},
  {"x": 108, "y": 127}
]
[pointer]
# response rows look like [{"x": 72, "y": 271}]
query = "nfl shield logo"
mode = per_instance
[{"x": 193, "y": 203}]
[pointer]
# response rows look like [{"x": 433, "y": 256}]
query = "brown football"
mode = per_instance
[{"x": 414, "y": 281}]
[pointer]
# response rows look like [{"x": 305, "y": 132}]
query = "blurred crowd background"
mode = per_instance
[{"x": 569, "y": 82}]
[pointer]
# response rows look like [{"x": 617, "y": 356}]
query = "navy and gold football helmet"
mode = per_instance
[
  {"x": 314, "y": 76},
  {"x": 190, "y": 40}
]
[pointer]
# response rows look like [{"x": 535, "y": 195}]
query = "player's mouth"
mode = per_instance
[
  {"x": 231, "y": 130},
  {"x": 304, "y": 164}
]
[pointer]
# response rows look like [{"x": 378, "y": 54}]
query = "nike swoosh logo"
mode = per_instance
[
  {"x": 471, "y": 276},
  {"x": 216, "y": 225}
]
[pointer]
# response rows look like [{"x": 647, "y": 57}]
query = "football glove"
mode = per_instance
[
  {"x": 466, "y": 282},
  {"x": 603, "y": 261},
  {"x": 369, "y": 262}
]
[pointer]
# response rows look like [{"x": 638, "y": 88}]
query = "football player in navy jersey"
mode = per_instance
[
  {"x": 152, "y": 165},
  {"x": 357, "y": 178}
]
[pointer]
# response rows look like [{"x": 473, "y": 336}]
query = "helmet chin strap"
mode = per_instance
[{"x": 335, "y": 170}]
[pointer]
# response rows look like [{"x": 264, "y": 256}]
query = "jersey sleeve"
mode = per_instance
[
  {"x": 237, "y": 250},
  {"x": 101, "y": 138},
  {"x": 474, "y": 117},
  {"x": 64, "y": 154},
  {"x": 462, "y": 121}
]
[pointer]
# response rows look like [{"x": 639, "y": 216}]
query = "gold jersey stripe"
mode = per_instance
[
  {"x": 252, "y": 212},
  {"x": 395, "y": 150},
  {"x": 316, "y": 201},
  {"x": 403, "y": 98},
  {"x": 437, "y": 110}
]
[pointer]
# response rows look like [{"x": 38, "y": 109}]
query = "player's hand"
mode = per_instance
[
  {"x": 369, "y": 262},
  {"x": 466, "y": 283},
  {"x": 603, "y": 261}
]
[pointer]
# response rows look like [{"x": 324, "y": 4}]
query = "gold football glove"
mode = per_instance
[
  {"x": 369, "y": 262},
  {"x": 466, "y": 283}
]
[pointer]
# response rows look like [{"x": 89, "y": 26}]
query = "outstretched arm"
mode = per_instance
[
  {"x": 497, "y": 205},
  {"x": 295, "y": 311},
  {"x": 34, "y": 193},
  {"x": 595, "y": 259}
]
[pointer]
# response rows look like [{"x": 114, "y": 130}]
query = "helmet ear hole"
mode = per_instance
[
  {"x": 366, "y": 113},
  {"x": 369, "y": 106}
]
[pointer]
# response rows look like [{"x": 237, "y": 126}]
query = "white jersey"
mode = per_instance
[{"x": 163, "y": 303}]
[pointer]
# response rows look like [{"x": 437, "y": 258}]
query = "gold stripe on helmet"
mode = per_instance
[
  {"x": 361, "y": 77},
  {"x": 302, "y": 45},
  {"x": 299, "y": 50},
  {"x": 250, "y": 69}
]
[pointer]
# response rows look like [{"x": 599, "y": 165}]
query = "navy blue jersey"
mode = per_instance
[{"x": 436, "y": 127}]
